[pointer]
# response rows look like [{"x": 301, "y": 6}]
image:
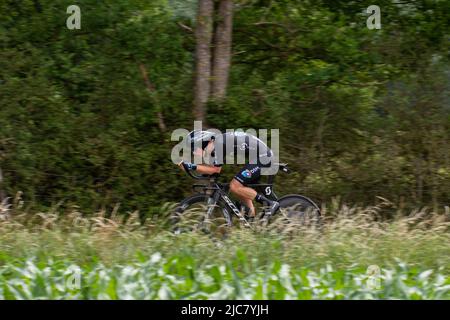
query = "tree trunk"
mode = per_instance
[
  {"x": 203, "y": 35},
  {"x": 222, "y": 50}
]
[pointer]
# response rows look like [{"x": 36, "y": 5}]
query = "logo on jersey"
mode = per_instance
[
  {"x": 243, "y": 146},
  {"x": 254, "y": 170},
  {"x": 246, "y": 173}
]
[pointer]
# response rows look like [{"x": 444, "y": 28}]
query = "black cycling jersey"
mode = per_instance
[{"x": 240, "y": 148}]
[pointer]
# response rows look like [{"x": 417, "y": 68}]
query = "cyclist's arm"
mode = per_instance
[{"x": 205, "y": 169}]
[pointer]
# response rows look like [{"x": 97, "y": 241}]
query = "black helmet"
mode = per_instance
[{"x": 199, "y": 138}]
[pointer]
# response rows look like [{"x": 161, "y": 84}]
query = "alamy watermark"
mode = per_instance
[
  {"x": 238, "y": 148},
  {"x": 73, "y": 278},
  {"x": 74, "y": 20},
  {"x": 374, "y": 20},
  {"x": 373, "y": 280}
]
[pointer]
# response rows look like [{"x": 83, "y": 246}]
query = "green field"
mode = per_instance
[
  {"x": 97, "y": 97},
  {"x": 73, "y": 256}
]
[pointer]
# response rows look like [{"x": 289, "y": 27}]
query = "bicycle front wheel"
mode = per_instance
[{"x": 200, "y": 213}]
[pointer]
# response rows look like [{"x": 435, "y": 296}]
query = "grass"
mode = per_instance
[{"x": 407, "y": 257}]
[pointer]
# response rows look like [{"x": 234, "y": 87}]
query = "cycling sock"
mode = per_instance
[{"x": 262, "y": 199}]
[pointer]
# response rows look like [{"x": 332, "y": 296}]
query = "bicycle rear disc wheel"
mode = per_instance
[{"x": 299, "y": 210}]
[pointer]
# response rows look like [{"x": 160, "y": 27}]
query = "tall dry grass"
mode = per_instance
[{"x": 350, "y": 235}]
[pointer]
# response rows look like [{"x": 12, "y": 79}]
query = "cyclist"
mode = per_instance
[{"x": 217, "y": 150}]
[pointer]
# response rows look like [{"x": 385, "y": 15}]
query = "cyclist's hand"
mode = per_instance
[
  {"x": 187, "y": 166},
  {"x": 181, "y": 165}
]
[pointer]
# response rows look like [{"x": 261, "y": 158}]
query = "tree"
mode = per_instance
[
  {"x": 203, "y": 35},
  {"x": 222, "y": 50},
  {"x": 212, "y": 70}
]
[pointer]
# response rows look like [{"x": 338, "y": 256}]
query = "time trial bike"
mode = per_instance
[{"x": 211, "y": 208}]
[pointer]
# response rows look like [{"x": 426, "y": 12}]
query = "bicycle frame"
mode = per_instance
[{"x": 219, "y": 193}]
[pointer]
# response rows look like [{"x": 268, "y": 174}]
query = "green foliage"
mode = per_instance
[
  {"x": 178, "y": 278},
  {"x": 74, "y": 256},
  {"x": 361, "y": 112},
  {"x": 78, "y": 123}
]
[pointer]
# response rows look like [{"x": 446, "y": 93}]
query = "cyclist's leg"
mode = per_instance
[
  {"x": 249, "y": 210},
  {"x": 261, "y": 198},
  {"x": 250, "y": 173}
]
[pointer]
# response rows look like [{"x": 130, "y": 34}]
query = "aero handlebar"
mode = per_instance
[{"x": 283, "y": 167}]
